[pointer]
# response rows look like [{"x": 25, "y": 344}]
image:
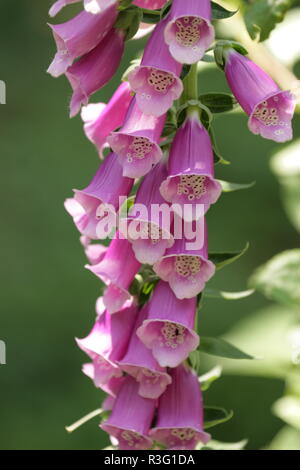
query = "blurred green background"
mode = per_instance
[{"x": 47, "y": 297}]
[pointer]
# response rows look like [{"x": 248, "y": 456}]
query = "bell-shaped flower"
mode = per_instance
[
  {"x": 156, "y": 81},
  {"x": 94, "y": 69},
  {"x": 101, "y": 119},
  {"x": 189, "y": 31},
  {"x": 117, "y": 270},
  {"x": 270, "y": 109},
  {"x": 185, "y": 268},
  {"x": 148, "y": 224},
  {"x": 100, "y": 198},
  {"x": 131, "y": 418},
  {"x": 179, "y": 424},
  {"x": 108, "y": 342},
  {"x": 190, "y": 182},
  {"x": 140, "y": 364},
  {"x": 169, "y": 328},
  {"x": 79, "y": 36},
  {"x": 137, "y": 142}
]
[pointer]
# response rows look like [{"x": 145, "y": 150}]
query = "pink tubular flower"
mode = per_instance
[
  {"x": 111, "y": 387},
  {"x": 108, "y": 342},
  {"x": 140, "y": 364},
  {"x": 95, "y": 252},
  {"x": 191, "y": 180},
  {"x": 97, "y": 6},
  {"x": 185, "y": 270},
  {"x": 131, "y": 418},
  {"x": 148, "y": 229},
  {"x": 150, "y": 4},
  {"x": 270, "y": 109},
  {"x": 101, "y": 119},
  {"x": 168, "y": 329},
  {"x": 90, "y": 205},
  {"x": 117, "y": 270},
  {"x": 79, "y": 36},
  {"x": 179, "y": 423},
  {"x": 137, "y": 142},
  {"x": 189, "y": 31},
  {"x": 156, "y": 81},
  {"x": 90, "y": 73}
]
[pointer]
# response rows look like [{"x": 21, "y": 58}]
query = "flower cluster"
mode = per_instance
[{"x": 144, "y": 332}]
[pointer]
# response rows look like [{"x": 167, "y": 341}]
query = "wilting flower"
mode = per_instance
[
  {"x": 108, "y": 341},
  {"x": 150, "y": 4},
  {"x": 186, "y": 270},
  {"x": 117, "y": 270},
  {"x": 270, "y": 109},
  {"x": 131, "y": 418},
  {"x": 90, "y": 73},
  {"x": 92, "y": 204},
  {"x": 148, "y": 224},
  {"x": 189, "y": 31},
  {"x": 140, "y": 363},
  {"x": 79, "y": 36},
  {"x": 179, "y": 424},
  {"x": 137, "y": 142},
  {"x": 168, "y": 329},
  {"x": 156, "y": 81},
  {"x": 190, "y": 182},
  {"x": 101, "y": 119}
]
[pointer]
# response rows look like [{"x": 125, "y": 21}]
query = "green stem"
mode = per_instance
[{"x": 191, "y": 88}]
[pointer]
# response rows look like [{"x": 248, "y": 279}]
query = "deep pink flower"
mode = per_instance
[
  {"x": 270, "y": 110},
  {"x": 140, "y": 363},
  {"x": 90, "y": 73},
  {"x": 137, "y": 142},
  {"x": 156, "y": 81},
  {"x": 185, "y": 270},
  {"x": 191, "y": 182},
  {"x": 101, "y": 119},
  {"x": 146, "y": 227},
  {"x": 179, "y": 423},
  {"x": 101, "y": 197},
  {"x": 150, "y": 4},
  {"x": 79, "y": 36},
  {"x": 168, "y": 329},
  {"x": 108, "y": 341},
  {"x": 131, "y": 418},
  {"x": 117, "y": 270},
  {"x": 189, "y": 31}
]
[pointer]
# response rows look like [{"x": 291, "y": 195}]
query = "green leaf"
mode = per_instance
[
  {"x": 213, "y": 293},
  {"x": 279, "y": 279},
  {"x": 214, "y": 415},
  {"x": 223, "y": 259},
  {"x": 151, "y": 16},
  {"x": 208, "y": 58},
  {"x": 221, "y": 348},
  {"x": 129, "y": 21},
  {"x": 206, "y": 380},
  {"x": 219, "y": 102},
  {"x": 230, "y": 187},
  {"x": 220, "y": 13},
  {"x": 262, "y": 16}
]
